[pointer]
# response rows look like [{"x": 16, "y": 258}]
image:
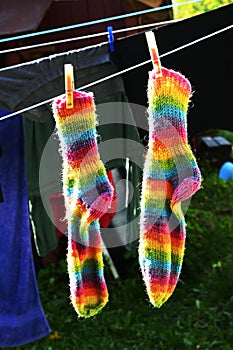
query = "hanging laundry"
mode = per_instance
[
  {"x": 22, "y": 319},
  {"x": 88, "y": 195},
  {"x": 44, "y": 77},
  {"x": 170, "y": 176}
]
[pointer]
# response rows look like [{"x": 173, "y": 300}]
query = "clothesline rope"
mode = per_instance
[
  {"x": 121, "y": 72},
  {"x": 102, "y": 20},
  {"x": 156, "y": 24}
]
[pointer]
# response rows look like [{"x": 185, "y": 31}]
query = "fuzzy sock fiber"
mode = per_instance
[
  {"x": 88, "y": 195},
  {"x": 170, "y": 176}
]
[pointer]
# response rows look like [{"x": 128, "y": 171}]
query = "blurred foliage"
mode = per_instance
[{"x": 196, "y": 8}]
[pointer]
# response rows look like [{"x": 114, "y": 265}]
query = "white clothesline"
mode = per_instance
[{"x": 120, "y": 72}]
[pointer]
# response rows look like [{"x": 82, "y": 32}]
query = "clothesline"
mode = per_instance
[
  {"x": 102, "y": 20},
  {"x": 120, "y": 72},
  {"x": 156, "y": 24}
]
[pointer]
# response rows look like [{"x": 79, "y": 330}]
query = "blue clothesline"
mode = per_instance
[{"x": 79, "y": 25}]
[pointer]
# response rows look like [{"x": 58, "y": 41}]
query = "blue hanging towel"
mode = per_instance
[{"x": 22, "y": 319}]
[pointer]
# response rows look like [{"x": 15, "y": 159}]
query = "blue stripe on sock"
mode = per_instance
[
  {"x": 152, "y": 263},
  {"x": 168, "y": 111}
]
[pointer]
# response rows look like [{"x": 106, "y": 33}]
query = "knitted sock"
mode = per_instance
[
  {"x": 88, "y": 289},
  {"x": 88, "y": 194},
  {"x": 84, "y": 173},
  {"x": 171, "y": 175}
]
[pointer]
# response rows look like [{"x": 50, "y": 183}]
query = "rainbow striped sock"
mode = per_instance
[
  {"x": 171, "y": 175},
  {"x": 88, "y": 195},
  {"x": 88, "y": 289}
]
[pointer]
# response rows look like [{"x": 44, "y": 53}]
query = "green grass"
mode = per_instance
[{"x": 197, "y": 316}]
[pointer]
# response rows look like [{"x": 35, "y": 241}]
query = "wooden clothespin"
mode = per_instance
[
  {"x": 154, "y": 53},
  {"x": 69, "y": 85}
]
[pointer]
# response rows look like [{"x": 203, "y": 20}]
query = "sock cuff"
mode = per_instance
[
  {"x": 79, "y": 118},
  {"x": 171, "y": 89},
  {"x": 81, "y": 100}
]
